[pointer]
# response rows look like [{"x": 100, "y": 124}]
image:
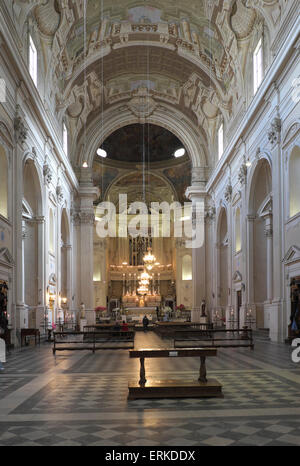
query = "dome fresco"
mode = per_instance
[{"x": 127, "y": 144}]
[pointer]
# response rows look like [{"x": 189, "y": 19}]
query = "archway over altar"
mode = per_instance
[{"x": 140, "y": 165}]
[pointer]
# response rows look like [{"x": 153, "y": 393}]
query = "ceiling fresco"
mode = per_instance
[{"x": 102, "y": 54}]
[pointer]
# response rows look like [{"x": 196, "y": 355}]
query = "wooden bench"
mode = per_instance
[
  {"x": 168, "y": 329},
  {"x": 234, "y": 338},
  {"x": 90, "y": 340},
  {"x": 26, "y": 332},
  {"x": 105, "y": 327},
  {"x": 202, "y": 387}
]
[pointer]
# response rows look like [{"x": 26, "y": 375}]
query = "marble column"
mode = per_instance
[
  {"x": 269, "y": 236},
  {"x": 19, "y": 240},
  {"x": 87, "y": 194},
  {"x": 197, "y": 194},
  {"x": 278, "y": 314},
  {"x": 41, "y": 271},
  {"x": 250, "y": 245}
]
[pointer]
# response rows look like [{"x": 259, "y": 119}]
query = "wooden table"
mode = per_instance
[
  {"x": 202, "y": 387},
  {"x": 25, "y": 332}
]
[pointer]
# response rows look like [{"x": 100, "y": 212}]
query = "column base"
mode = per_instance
[
  {"x": 21, "y": 316},
  {"x": 275, "y": 310}
]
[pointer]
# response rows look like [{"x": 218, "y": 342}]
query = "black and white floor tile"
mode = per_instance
[{"x": 80, "y": 398}]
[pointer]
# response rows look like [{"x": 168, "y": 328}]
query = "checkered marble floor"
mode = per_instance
[
  {"x": 77, "y": 398},
  {"x": 241, "y": 432}
]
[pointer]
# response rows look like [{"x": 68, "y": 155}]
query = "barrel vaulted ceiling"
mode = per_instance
[{"x": 188, "y": 55}]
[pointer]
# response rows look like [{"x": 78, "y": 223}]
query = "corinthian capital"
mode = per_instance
[
  {"x": 20, "y": 130},
  {"x": 274, "y": 132}
]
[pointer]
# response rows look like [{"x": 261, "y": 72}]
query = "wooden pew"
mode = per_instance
[
  {"x": 90, "y": 340},
  {"x": 234, "y": 338},
  {"x": 104, "y": 327},
  {"x": 168, "y": 329},
  {"x": 202, "y": 387}
]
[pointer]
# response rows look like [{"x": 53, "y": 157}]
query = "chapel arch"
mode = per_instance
[
  {"x": 3, "y": 183},
  {"x": 32, "y": 242},
  {"x": 294, "y": 185},
  {"x": 260, "y": 233}
]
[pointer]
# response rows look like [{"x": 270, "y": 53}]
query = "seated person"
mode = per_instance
[{"x": 125, "y": 326}]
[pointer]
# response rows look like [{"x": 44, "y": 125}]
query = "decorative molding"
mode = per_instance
[
  {"x": 142, "y": 105},
  {"x": 292, "y": 255},
  {"x": 266, "y": 208},
  {"x": 274, "y": 132},
  {"x": 47, "y": 174},
  {"x": 211, "y": 213},
  {"x": 228, "y": 192},
  {"x": 59, "y": 194},
  {"x": 269, "y": 231},
  {"x": 6, "y": 257},
  {"x": 20, "y": 130},
  {"x": 236, "y": 197},
  {"x": 52, "y": 198},
  {"x": 79, "y": 218},
  {"x": 242, "y": 175},
  {"x": 291, "y": 133},
  {"x": 237, "y": 277}
]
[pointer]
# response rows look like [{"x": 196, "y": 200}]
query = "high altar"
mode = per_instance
[{"x": 136, "y": 301}]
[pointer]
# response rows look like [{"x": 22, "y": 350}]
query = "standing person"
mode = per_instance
[
  {"x": 145, "y": 323},
  {"x": 125, "y": 326},
  {"x": 157, "y": 312}
]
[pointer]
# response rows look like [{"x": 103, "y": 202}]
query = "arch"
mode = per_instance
[
  {"x": 261, "y": 168},
  {"x": 187, "y": 273},
  {"x": 33, "y": 248},
  {"x": 222, "y": 210},
  {"x": 164, "y": 116},
  {"x": 3, "y": 183},
  {"x": 101, "y": 54},
  {"x": 65, "y": 227},
  {"x": 123, "y": 177},
  {"x": 33, "y": 178},
  {"x": 294, "y": 184},
  {"x": 259, "y": 195}
]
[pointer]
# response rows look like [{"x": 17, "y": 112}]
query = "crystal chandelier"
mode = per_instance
[
  {"x": 144, "y": 281},
  {"x": 149, "y": 260}
]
